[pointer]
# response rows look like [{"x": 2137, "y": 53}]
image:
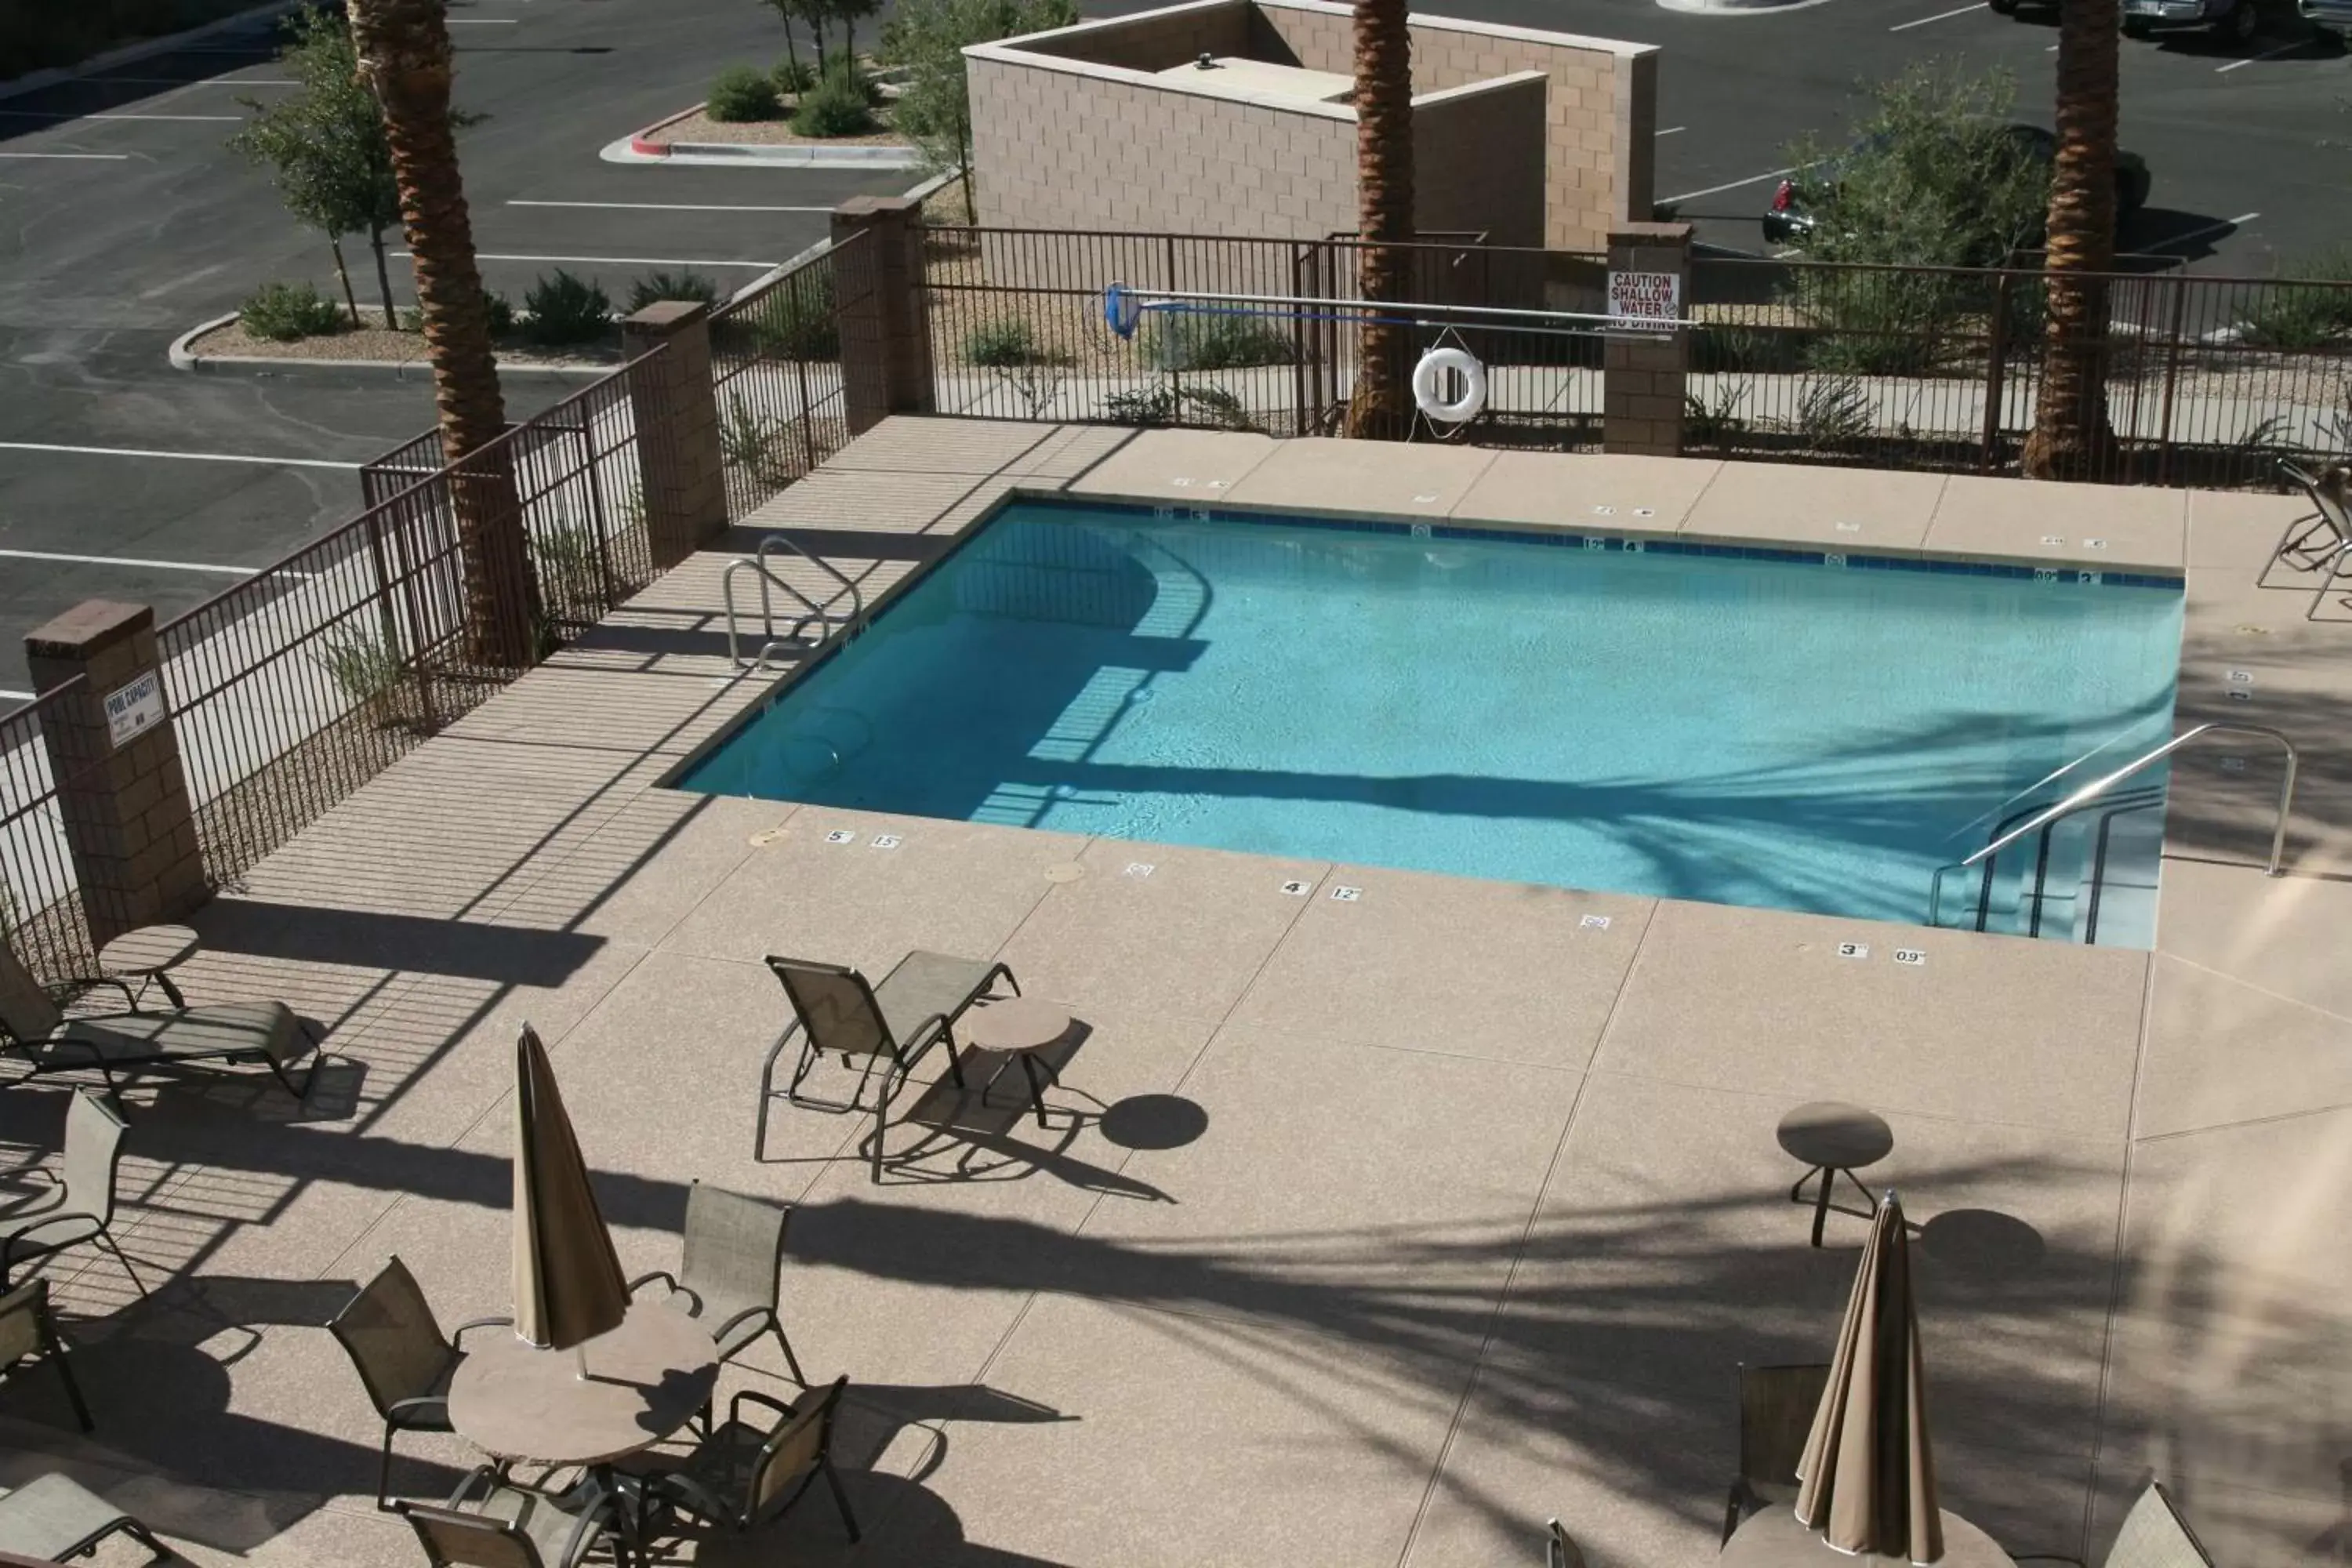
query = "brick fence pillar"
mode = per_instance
[
  {"x": 116, "y": 763},
  {"x": 885, "y": 331},
  {"x": 677, "y": 410},
  {"x": 1643, "y": 372}
]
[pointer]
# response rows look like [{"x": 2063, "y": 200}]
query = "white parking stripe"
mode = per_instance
[
  {"x": 126, "y": 560},
  {"x": 189, "y": 456},
  {"x": 98, "y": 157},
  {"x": 175, "y": 81},
  {"x": 1751, "y": 180},
  {"x": 1673, "y": 131},
  {"x": 17, "y": 695},
  {"x": 1938, "y": 17},
  {"x": 2241, "y": 221},
  {"x": 615, "y": 260},
  {"x": 696, "y": 207},
  {"x": 2270, "y": 55},
  {"x": 203, "y": 118},
  {"x": 483, "y": 21}
]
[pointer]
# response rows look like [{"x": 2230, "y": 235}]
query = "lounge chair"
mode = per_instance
[
  {"x": 34, "y": 1028},
  {"x": 1776, "y": 1416},
  {"x": 52, "y": 1518},
  {"x": 28, "y": 1328},
  {"x": 891, "y": 1025},
  {"x": 510, "y": 1526},
  {"x": 2315, "y": 539},
  {"x": 733, "y": 1251},
  {"x": 1560, "y": 1550},
  {"x": 2153, "y": 1535},
  {"x": 744, "y": 1476},
  {"x": 79, "y": 1204},
  {"x": 403, "y": 1359}
]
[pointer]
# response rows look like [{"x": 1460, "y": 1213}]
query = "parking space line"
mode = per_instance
[
  {"x": 1673, "y": 131},
  {"x": 191, "y": 118},
  {"x": 96, "y": 157},
  {"x": 694, "y": 207},
  {"x": 17, "y": 695},
  {"x": 483, "y": 21},
  {"x": 127, "y": 560},
  {"x": 615, "y": 260},
  {"x": 2241, "y": 221},
  {"x": 2267, "y": 55},
  {"x": 175, "y": 81},
  {"x": 187, "y": 457},
  {"x": 1735, "y": 184},
  {"x": 1938, "y": 17}
]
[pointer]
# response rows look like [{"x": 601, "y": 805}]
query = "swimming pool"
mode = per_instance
[{"x": 1775, "y": 728}]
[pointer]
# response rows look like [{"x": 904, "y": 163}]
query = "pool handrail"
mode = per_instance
[
  {"x": 757, "y": 564},
  {"x": 2100, "y": 785}
]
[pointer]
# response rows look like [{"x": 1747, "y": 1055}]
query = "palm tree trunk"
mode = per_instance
[
  {"x": 404, "y": 57},
  {"x": 343, "y": 276},
  {"x": 1384, "y": 204},
  {"x": 2070, "y": 437}
]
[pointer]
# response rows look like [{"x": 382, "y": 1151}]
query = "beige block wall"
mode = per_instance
[
  {"x": 1066, "y": 149},
  {"x": 1156, "y": 39},
  {"x": 1458, "y": 181}
]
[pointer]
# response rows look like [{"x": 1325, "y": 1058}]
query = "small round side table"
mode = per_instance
[
  {"x": 1019, "y": 1028},
  {"x": 145, "y": 955},
  {"x": 1830, "y": 1139}
]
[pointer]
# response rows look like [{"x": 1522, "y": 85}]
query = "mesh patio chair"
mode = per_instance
[
  {"x": 891, "y": 1026},
  {"x": 510, "y": 1526},
  {"x": 27, "y": 1328},
  {"x": 2154, "y": 1535},
  {"x": 733, "y": 1252},
  {"x": 33, "y": 1027},
  {"x": 1560, "y": 1550},
  {"x": 1775, "y": 1413},
  {"x": 2317, "y": 539},
  {"x": 403, "y": 1359},
  {"x": 744, "y": 1476},
  {"x": 52, "y": 1518},
  {"x": 79, "y": 1204}
]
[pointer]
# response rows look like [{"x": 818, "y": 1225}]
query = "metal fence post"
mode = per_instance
[
  {"x": 1996, "y": 373},
  {"x": 2172, "y": 377}
]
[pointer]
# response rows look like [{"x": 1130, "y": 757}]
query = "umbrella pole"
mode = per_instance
[{"x": 580, "y": 1352}]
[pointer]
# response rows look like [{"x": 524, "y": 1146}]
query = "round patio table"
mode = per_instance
[
  {"x": 1832, "y": 1138},
  {"x": 646, "y": 1379},
  {"x": 149, "y": 953},
  {"x": 1775, "y": 1538},
  {"x": 1018, "y": 1027}
]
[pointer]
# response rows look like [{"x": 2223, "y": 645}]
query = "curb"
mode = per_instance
[
  {"x": 638, "y": 147},
  {"x": 145, "y": 48},
  {"x": 640, "y": 141},
  {"x": 183, "y": 358}
]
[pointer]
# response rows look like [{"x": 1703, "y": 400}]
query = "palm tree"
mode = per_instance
[
  {"x": 2071, "y": 438},
  {"x": 1384, "y": 207},
  {"x": 405, "y": 57}
]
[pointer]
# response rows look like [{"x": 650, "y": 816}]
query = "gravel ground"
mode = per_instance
[
  {"x": 374, "y": 343},
  {"x": 700, "y": 127}
]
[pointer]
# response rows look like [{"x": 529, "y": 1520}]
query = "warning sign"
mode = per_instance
[{"x": 1650, "y": 297}]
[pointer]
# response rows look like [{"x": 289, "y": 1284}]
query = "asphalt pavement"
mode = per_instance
[{"x": 124, "y": 221}]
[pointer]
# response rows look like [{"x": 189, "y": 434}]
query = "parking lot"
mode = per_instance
[{"x": 124, "y": 221}]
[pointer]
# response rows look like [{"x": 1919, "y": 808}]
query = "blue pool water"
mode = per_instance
[{"x": 1785, "y": 732}]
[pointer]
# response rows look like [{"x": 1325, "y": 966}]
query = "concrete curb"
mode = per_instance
[
  {"x": 1737, "y": 7},
  {"x": 146, "y": 49},
  {"x": 638, "y": 148},
  {"x": 185, "y": 358}
]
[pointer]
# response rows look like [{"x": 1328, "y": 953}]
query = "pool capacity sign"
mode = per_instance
[
  {"x": 1645, "y": 298},
  {"x": 131, "y": 711}
]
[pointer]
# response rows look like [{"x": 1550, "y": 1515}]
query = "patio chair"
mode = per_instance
[
  {"x": 79, "y": 1204},
  {"x": 2317, "y": 540},
  {"x": 510, "y": 1526},
  {"x": 891, "y": 1026},
  {"x": 733, "y": 1251},
  {"x": 53, "y": 1516},
  {"x": 1776, "y": 1414},
  {"x": 34, "y": 1028},
  {"x": 744, "y": 1476},
  {"x": 28, "y": 1327},
  {"x": 2154, "y": 1535},
  {"x": 1560, "y": 1550},
  {"x": 403, "y": 1359}
]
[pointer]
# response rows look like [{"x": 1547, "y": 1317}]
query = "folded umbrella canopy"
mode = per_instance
[
  {"x": 568, "y": 1284},
  {"x": 1868, "y": 1478}
]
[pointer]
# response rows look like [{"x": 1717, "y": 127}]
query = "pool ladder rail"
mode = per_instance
[
  {"x": 2095, "y": 797},
  {"x": 813, "y": 612}
]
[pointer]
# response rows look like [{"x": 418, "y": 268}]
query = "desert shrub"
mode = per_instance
[
  {"x": 561, "y": 309},
  {"x": 656, "y": 287},
  {"x": 503, "y": 314},
  {"x": 1007, "y": 342},
  {"x": 840, "y": 104},
  {"x": 794, "y": 76},
  {"x": 2301, "y": 310},
  {"x": 741, "y": 94},
  {"x": 283, "y": 312},
  {"x": 794, "y": 321},
  {"x": 1188, "y": 342}
]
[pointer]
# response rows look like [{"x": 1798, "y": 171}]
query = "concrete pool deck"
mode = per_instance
[{"x": 1423, "y": 1215}]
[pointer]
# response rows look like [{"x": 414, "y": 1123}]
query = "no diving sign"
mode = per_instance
[{"x": 1646, "y": 299}]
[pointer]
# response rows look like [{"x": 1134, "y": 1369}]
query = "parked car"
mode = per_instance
[
  {"x": 2237, "y": 20},
  {"x": 1787, "y": 222},
  {"x": 2335, "y": 16}
]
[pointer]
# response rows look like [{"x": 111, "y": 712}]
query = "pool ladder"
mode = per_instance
[
  {"x": 821, "y": 614},
  {"x": 2095, "y": 797}
]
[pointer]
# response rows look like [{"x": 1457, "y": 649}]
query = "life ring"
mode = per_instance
[{"x": 1429, "y": 380}]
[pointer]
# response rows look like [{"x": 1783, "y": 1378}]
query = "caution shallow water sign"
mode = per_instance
[{"x": 1649, "y": 297}]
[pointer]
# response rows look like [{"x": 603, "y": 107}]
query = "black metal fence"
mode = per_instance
[
  {"x": 776, "y": 369},
  {"x": 41, "y": 913}
]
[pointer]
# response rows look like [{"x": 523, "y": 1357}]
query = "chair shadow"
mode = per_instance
[{"x": 1983, "y": 1244}]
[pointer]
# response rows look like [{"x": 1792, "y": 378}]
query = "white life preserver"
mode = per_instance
[{"x": 1429, "y": 378}]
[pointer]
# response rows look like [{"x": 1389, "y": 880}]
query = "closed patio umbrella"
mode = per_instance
[
  {"x": 1868, "y": 1478},
  {"x": 568, "y": 1284}
]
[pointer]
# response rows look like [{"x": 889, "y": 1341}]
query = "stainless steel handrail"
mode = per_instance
[
  {"x": 2099, "y": 786},
  {"x": 757, "y": 564},
  {"x": 856, "y": 599}
]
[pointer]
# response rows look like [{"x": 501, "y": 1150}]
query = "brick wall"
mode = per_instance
[
  {"x": 1459, "y": 182},
  {"x": 1156, "y": 39}
]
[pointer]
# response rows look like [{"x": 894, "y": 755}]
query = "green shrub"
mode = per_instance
[
  {"x": 794, "y": 76},
  {"x": 1187, "y": 341},
  {"x": 838, "y": 105},
  {"x": 503, "y": 314},
  {"x": 283, "y": 312},
  {"x": 741, "y": 94},
  {"x": 2285, "y": 316},
  {"x": 656, "y": 287},
  {"x": 1007, "y": 342},
  {"x": 561, "y": 309}
]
